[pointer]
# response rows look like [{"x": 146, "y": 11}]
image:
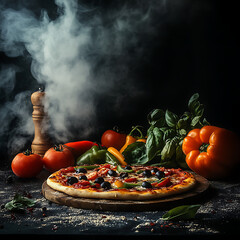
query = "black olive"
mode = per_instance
[
  {"x": 83, "y": 177},
  {"x": 112, "y": 173},
  {"x": 81, "y": 170},
  {"x": 160, "y": 174},
  {"x": 123, "y": 175},
  {"x": 146, "y": 185},
  {"x": 99, "y": 180},
  {"x": 106, "y": 185},
  {"x": 128, "y": 168},
  {"x": 147, "y": 173},
  {"x": 154, "y": 170},
  {"x": 72, "y": 180}
]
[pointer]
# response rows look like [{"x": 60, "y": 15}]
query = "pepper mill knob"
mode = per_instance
[{"x": 41, "y": 142}]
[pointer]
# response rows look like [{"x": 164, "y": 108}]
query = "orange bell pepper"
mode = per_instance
[
  {"x": 212, "y": 152},
  {"x": 130, "y": 139},
  {"x": 117, "y": 154}
]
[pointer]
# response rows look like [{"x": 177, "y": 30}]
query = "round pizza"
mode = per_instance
[{"x": 121, "y": 182}]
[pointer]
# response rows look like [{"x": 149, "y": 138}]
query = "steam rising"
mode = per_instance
[{"x": 74, "y": 57}]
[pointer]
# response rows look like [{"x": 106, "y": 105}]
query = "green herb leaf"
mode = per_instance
[
  {"x": 154, "y": 143},
  {"x": 135, "y": 153},
  {"x": 195, "y": 121},
  {"x": 169, "y": 133},
  {"x": 19, "y": 203},
  {"x": 181, "y": 212},
  {"x": 156, "y": 118},
  {"x": 171, "y": 119},
  {"x": 169, "y": 148},
  {"x": 193, "y": 102}
]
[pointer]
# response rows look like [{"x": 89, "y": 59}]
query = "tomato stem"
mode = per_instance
[
  {"x": 58, "y": 147},
  {"x": 27, "y": 152},
  {"x": 203, "y": 147}
]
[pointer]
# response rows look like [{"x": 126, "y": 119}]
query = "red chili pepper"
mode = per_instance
[
  {"x": 131, "y": 179},
  {"x": 164, "y": 183},
  {"x": 80, "y": 147}
]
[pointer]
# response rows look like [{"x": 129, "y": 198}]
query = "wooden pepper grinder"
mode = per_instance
[{"x": 41, "y": 142}]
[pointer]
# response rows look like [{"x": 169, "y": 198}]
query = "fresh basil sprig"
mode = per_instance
[
  {"x": 181, "y": 213},
  {"x": 19, "y": 203},
  {"x": 167, "y": 131}
]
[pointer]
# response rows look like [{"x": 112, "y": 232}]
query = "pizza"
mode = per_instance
[{"x": 107, "y": 181}]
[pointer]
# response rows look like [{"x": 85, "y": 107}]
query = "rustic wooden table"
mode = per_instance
[{"x": 219, "y": 214}]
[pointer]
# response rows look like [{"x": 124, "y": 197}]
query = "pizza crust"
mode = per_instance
[{"x": 186, "y": 185}]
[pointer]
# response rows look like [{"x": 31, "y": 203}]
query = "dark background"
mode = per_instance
[{"x": 195, "y": 50}]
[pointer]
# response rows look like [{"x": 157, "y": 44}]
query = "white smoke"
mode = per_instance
[{"x": 72, "y": 57}]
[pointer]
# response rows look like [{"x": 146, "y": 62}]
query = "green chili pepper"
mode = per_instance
[
  {"x": 120, "y": 169},
  {"x": 111, "y": 159},
  {"x": 131, "y": 185},
  {"x": 88, "y": 167},
  {"x": 96, "y": 155}
]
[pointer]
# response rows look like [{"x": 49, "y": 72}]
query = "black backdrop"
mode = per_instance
[{"x": 195, "y": 50}]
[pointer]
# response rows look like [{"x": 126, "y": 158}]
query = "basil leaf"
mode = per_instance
[
  {"x": 171, "y": 118},
  {"x": 168, "y": 134},
  {"x": 169, "y": 148},
  {"x": 181, "y": 212},
  {"x": 199, "y": 110},
  {"x": 156, "y": 118},
  {"x": 135, "y": 153},
  {"x": 154, "y": 143},
  {"x": 195, "y": 121},
  {"x": 192, "y": 102},
  {"x": 19, "y": 203},
  {"x": 183, "y": 123}
]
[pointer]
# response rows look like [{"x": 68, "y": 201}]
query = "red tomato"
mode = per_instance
[
  {"x": 58, "y": 157},
  {"x": 27, "y": 164},
  {"x": 92, "y": 176},
  {"x": 114, "y": 139}
]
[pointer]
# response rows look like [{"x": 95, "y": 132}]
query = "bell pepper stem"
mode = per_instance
[
  {"x": 203, "y": 147},
  {"x": 136, "y": 128}
]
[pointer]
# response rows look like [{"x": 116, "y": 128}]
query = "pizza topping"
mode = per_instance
[
  {"x": 164, "y": 183},
  {"x": 160, "y": 174},
  {"x": 147, "y": 173},
  {"x": 128, "y": 167},
  {"x": 133, "y": 179},
  {"x": 81, "y": 170},
  {"x": 83, "y": 177},
  {"x": 123, "y": 175},
  {"x": 72, "y": 180},
  {"x": 99, "y": 180},
  {"x": 154, "y": 170},
  {"x": 106, "y": 185},
  {"x": 146, "y": 184},
  {"x": 112, "y": 173},
  {"x": 92, "y": 175},
  {"x": 118, "y": 184}
]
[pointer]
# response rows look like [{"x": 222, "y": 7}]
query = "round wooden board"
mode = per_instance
[{"x": 117, "y": 205}]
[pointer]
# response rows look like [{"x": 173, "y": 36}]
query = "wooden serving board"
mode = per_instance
[{"x": 127, "y": 205}]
